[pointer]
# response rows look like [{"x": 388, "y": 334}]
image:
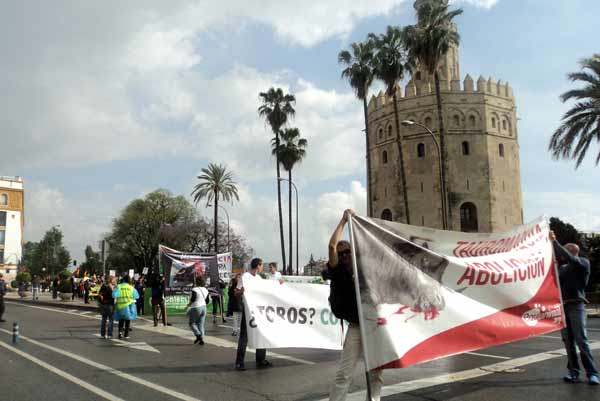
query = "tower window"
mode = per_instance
[
  {"x": 2, "y": 219},
  {"x": 390, "y": 131},
  {"x": 493, "y": 122},
  {"x": 3, "y": 199},
  {"x": 384, "y": 158},
  {"x": 466, "y": 149},
  {"x": 428, "y": 122},
  {"x": 418, "y": 76},
  {"x": 456, "y": 120},
  {"x": 468, "y": 218},
  {"x": 504, "y": 125},
  {"x": 501, "y": 150},
  {"x": 468, "y": 185},
  {"x": 380, "y": 134},
  {"x": 421, "y": 150},
  {"x": 386, "y": 215},
  {"x": 422, "y": 189},
  {"x": 385, "y": 192},
  {"x": 472, "y": 121},
  {"x": 423, "y": 220}
]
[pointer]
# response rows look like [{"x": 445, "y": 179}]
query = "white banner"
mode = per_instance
[
  {"x": 225, "y": 265},
  {"x": 290, "y": 315}
]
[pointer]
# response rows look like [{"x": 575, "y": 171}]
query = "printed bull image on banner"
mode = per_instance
[
  {"x": 428, "y": 294},
  {"x": 290, "y": 315}
]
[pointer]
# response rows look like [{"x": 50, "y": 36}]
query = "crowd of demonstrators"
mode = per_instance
[
  {"x": 234, "y": 304},
  {"x": 2, "y": 294},
  {"x": 574, "y": 275},
  {"x": 197, "y": 310},
  {"x": 158, "y": 300}
]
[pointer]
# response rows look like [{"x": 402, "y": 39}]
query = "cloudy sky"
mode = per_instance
[{"x": 105, "y": 101}]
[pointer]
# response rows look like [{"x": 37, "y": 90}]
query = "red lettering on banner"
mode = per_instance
[{"x": 469, "y": 274}]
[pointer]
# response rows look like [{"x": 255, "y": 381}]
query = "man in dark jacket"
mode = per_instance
[
  {"x": 344, "y": 305},
  {"x": 574, "y": 274},
  {"x": 158, "y": 300},
  {"x": 107, "y": 307},
  {"x": 2, "y": 294}
]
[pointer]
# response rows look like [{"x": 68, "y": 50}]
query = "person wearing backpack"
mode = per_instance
[
  {"x": 197, "y": 310},
  {"x": 342, "y": 300}
]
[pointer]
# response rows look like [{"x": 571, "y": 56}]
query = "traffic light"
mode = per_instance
[{"x": 74, "y": 263}]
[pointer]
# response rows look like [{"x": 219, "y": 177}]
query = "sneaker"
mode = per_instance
[
  {"x": 234, "y": 333},
  {"x": 593, "y": 380},
  {"x": 126, "y": 336},
  {"x": 240, "y": 367},
  {"x": 571, "y": 378},
  {"x": 104, "y": 336},
  {"x": 201, "y": 342},
  {"x": 224, "y": 321},
  {"x": 197, "y": 340},
  {"x": 263, "y": 364},
  {"x": 120, "y": 335},
  {"x": 155, "y": 324}
]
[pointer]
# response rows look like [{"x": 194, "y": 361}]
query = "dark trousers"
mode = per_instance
[
  {"x": 74, "y": 291},
  {"x": 261, "y": 354},
  {"x": 54, "y": 293},
  {"x": 86, "y": 297},
  {"x": 575, "y": 335},
  {"x": 107, "y": 317},
  {"x": 156, "y": 305},
  {"x": 124, "y": 323},
  {"x": 139, "y": 305},
  {"x": 2, "y": 307}
]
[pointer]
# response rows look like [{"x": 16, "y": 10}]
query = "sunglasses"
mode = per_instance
[{"x": 346, "y": 252}]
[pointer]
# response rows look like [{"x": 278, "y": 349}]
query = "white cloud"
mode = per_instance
[
  {"x": 581, "y": 209},
  {"x": 479, "y": 3}
]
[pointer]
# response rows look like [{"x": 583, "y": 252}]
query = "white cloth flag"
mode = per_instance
[
  {"x": 427, "y": 294},
  {"x": 290, "y": 315}
]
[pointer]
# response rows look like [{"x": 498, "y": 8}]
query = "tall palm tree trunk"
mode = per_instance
[
  {"x": 216, "y": 227},
  {"x": 279, "y": 201},
  {"x": 290, "y": 269},
  {"x": 369, "y": 202},
  {"x": 401, "y": 158},
  {"x": 444, "y": 184}
]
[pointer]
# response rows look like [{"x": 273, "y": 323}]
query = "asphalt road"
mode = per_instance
[{"x": 61, "y": 357}]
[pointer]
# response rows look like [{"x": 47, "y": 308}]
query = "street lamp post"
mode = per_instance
[
  {"x": 408, "y": 123},
  {"x": 297, "y": 241},
  {"x": 228, "y": 230}
]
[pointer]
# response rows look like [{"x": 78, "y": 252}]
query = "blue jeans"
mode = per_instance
[
  {"x": 575, "y": 335},
  {"x": 197, "y": 316},
  {"x": 107, "y": 315}
]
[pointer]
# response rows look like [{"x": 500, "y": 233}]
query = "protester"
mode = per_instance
[
  {"x": 256, "y": 267},
  {"x": 274, "y": 274},
  {"x": 35, "y": 286},
  {"x": 125, "y": 311},
  {"x": 73, "y": 288},
  {"x": 55, "y": 288},
  {"x": 2, "y": 294},
  {"x": 197, "y": 310},
  {"x": 233, "y": 305},
  {"x": 139, "y": 286},
  {"x": 158, "y": 300},
  {"x": 216, "y": 295},
  {"x": 574, "y": 274},
  {"x": 86, "y": 291},
  {"x": 339, "y": 271},
  {"x": 107, "y": 307}
]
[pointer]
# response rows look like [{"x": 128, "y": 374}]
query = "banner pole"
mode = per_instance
[{"x": 361, "y": 319}]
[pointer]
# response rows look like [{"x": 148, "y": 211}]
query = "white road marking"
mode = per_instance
[
  {"x": 487, "y": 355},
  {"x": 177, "y": 332},
  {"x": 88, "y": 386},
  {"x": 551, "y": 337},
  {"x": 593, "y": 329},
  {"x": 85, "y": 312},
  {"x": 418, "y": 384},
  {"x": 142, "y": 346},
  {"x": 123, "y": 375}
]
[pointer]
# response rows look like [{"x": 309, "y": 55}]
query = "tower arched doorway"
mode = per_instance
[
  {"x": 386, "y": 215},
  {"x": 468, "y": 218}
]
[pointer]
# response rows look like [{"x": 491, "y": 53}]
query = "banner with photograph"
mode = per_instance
[
  {"x": 290, "y": 315},
  {"x": 428, "y": 294}
]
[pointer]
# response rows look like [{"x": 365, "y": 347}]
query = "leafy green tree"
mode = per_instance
[
  {"x": 359, "y": 73},
  {"x": 216, "y": 183},
  {"x": 566, "y": 232},
  {"x": 291, "y": 150},
  {"x": 277, "y": 108},
  {"x": 593, "y": 252},
  {"x": 389, "y": 65},
  {"x": 47, "y": 257},
  {"x": 581, "y": 124},
  {"x": 93, "y": 261},
  {"x": 135, "y": 234},
  {"x": 428, "y": 43}
]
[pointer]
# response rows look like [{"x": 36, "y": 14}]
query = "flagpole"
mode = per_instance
[{"x": 361, "y": 319}]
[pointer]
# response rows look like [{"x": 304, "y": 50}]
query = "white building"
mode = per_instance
[{"x": 12, "y": 223}]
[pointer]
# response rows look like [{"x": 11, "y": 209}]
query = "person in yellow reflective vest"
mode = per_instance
[{"x": 125, "y": 310}]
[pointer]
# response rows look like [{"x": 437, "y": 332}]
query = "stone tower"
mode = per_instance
[{"x": 483, "y": 168}]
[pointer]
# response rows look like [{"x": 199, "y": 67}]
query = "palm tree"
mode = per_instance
[
  {"x": 580, "y": 125},
  {"x": 389, "y": 64},
  {"x": 277, "y": 108},
  {"x": 215, "y": 183},
  {"x": 291, "y": 150},
  {"x": 359, "y": 73},
  {"x": 427, "y": 44}
]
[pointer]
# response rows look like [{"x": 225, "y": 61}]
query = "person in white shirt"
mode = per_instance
[
  {"x": 275, "y": 275},
  {"x": 197, "y": 311},
  {"x": 256, "y": 267}
]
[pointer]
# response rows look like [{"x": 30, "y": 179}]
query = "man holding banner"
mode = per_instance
[{"x": 344, "y": 306}]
